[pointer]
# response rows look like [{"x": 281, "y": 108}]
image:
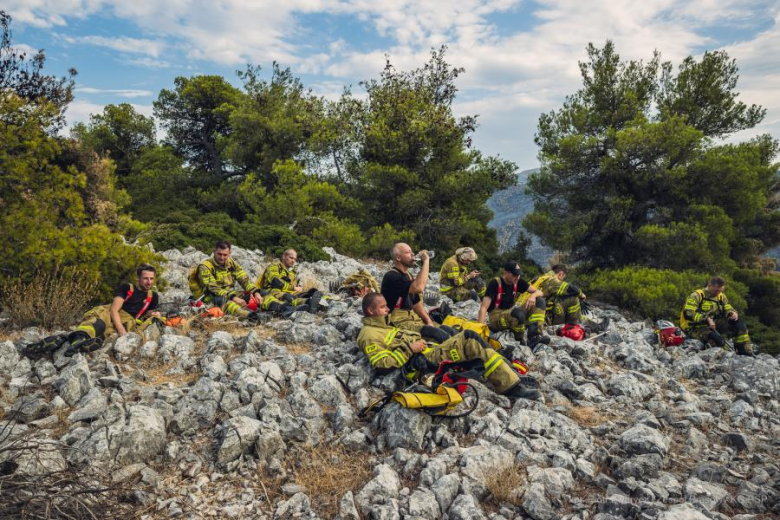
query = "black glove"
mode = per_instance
[{"x": 417, "y": 365}]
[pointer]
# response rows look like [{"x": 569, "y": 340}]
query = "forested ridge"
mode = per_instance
[{"x": 636, "y": 186}]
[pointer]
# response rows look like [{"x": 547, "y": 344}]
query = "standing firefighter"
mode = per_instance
[
  {"x": 457, "y": 281},
  {"x": 499, "y": 306},
  {"x": 280, "y": 282},
  {"x": 389, "y": 347},
  {"x": 214, "y": 281},
  {"x": 133, "y": 309},
  {"x": 707, "y": 315}
]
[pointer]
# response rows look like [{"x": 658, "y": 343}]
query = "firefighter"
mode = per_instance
[
  {"x": 389, "y": 347},
  {"x": 214, "y": 282},
  {"x": 707, "y": 315},
  {"x": 402, "y": 292},
  {"x": 280, "y": 280},
  {"x": 562, "y": 298},
  {"x": 457, "y": 281},
  {"x": 498, "y": 305},
  {"x": 133, "y": 309}
]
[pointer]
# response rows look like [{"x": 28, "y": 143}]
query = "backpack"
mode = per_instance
[{"x": 196, "y": 288}]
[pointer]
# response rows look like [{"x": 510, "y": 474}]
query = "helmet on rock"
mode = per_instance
[
  {"x": 572, "y": 331},
  {"x": 668, "y": 334}
]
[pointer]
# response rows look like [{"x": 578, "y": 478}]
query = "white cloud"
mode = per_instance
[
  {"x": 149, "y": 63},
  {"x": 80, "y": 110},
  {"x": 123, "y": 44},
  {"x": 25, "y": 49},
  {"x": 125, "y": 93}
]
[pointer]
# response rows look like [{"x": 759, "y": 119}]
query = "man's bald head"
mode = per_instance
[
  {"x": 289, "y": 258},
  {"x": 403, "y": 255}
]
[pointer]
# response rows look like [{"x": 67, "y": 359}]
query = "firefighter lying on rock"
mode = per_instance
[
  {"x": 133, "y": 309},
  {"x": 389, "y": 347}
]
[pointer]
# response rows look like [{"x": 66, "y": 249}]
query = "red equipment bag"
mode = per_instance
[
  {"x": 572, "y": 331},
  {"x": 668, "y": 334}
]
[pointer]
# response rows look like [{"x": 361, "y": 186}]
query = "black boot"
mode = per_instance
[
  {"x": 46, "y": 346},
  {"x": 535, "y": 337},
  {"x": 314, "y": 302},
  {"x": 259, "y": 317},
  {"x": 520, "y": 392},
  {"x": 81, "y": 341},
  {"x": 744, "y": 349}
]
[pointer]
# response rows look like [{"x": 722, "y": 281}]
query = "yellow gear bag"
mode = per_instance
[
  {"x": 445, "y": 399},
  {"x": 461, "y": 324}
]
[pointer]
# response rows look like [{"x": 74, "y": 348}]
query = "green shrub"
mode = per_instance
[
  {"x": 653, "y": 293},
  {"x": 382, "y": 238}
]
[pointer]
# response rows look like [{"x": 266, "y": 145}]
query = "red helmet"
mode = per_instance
[
  {"x": 668, "y": 334},
  {"x": 572, "y": 331},
  {"x": 252, "y": 305}
]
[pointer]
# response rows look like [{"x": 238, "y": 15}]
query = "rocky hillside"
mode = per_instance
[{"x": 231, "y": 421}]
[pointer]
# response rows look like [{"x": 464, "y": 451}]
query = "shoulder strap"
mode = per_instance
[
  {"x": 500, "y": 291},
  {"x": 129, "y": 291}
]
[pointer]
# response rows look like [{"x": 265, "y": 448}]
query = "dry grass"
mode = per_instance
[
  {"x": 51, "y": 300},
  {"x": 506, "y": 484},
  {"x": 587, "y": 416},
  {"x": 63, "y": 424},
  {"x": 329, "y": 471},
  {"x": 157, "y": 375},
  {"x": 298, "y": 348}
]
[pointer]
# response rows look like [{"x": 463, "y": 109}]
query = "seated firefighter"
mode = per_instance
[
  {"x": 133, "y": 309},
  {"x": 279, "y": 283},
  {"x": 389, "y": 347},
  {"x": 214, "y": 282},
  {"x": 499, "y": 305},
  {"x": 457, "y": 281},
  {"x": 403, "y": 291},
  {"x": 562, "y": 298},
  {"x": 707, "y": 315}
]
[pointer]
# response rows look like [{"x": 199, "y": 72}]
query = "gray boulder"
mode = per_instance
[
  {"x": 143, "y": 437},
  {"x": 383, "y": 488},
  {"x": 423, "y": 504},
  {"x": 236, "y": 437},
  {"x": 682, "y": 512},
  {"x": 465, "y": 507},
  {"x": 75, "y": 380},
  {"x": 403, "y": 427},
  {"x": 708, "y": 494},
  {"x": 642, "y": 439},
  {"x": 125, "y": 346}
]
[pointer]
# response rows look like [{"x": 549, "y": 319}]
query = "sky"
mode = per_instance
[{"x": 520, "y": 56}]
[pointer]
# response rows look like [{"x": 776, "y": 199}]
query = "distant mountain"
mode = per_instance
[{"x": 509, "y": 207}]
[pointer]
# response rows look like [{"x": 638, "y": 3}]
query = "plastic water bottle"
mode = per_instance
[{"x": 431, "y": 254}]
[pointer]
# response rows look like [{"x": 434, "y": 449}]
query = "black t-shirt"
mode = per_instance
[
  {"x": 395, "y": 288},
  {"x": 508, "y": 296},
  {"x": 135, "y": 303}
]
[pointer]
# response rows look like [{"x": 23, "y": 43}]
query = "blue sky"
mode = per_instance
[{"x": 520, "y": 56}]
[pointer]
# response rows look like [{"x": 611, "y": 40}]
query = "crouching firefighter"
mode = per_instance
[
  {"x": 280, "y": 282},
  {"x": 214, "y": 282},
  {"x": 133, "y": 309},
  {"x": 457, "y": 281},
  {"x": 708, "y": 315},
  {"x": 499, "y": 306},
  {"x": 389, "y": 348}
]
